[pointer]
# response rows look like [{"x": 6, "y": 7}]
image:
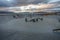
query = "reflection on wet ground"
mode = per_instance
[{"x": 18, "y": 29}]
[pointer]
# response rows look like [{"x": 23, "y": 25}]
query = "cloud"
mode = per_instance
[
  {"x": 18, "y": 2},
  {"x": 29, "y": 1},
  {"x": 54, "y": 1}
]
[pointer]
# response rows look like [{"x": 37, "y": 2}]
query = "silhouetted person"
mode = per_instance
[
  {"x": 17, "y": 15},
  {"x": 14, "y": 17},
  {"x": 37, "y": 19},
  {"x": 41, "y": 19},
  {"x": 33, "y": 20},
  {"x": 25, "y": 19}
]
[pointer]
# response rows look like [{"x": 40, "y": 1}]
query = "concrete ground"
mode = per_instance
[{"x": 18, "y": 29}]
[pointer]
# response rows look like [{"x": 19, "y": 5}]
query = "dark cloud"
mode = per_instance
[
  {"x": 17, "y": 2},
  {"x": 4, "y": 3},
  {"x": 30, "y": 1}
]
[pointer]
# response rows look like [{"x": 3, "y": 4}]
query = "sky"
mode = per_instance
[{"x": 4, "y": 3}]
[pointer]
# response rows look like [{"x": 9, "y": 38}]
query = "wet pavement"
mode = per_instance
[{"x": 18, "y": 29}]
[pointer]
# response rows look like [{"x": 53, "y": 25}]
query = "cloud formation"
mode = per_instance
[
  {"x": 53, "y": 1},
  {"x": 17, "y": 2}
]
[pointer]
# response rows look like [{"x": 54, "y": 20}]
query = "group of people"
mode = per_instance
[{"x": 33, "y": 20}]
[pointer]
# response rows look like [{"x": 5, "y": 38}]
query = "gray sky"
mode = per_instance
[{"x": 16, "y": 2}]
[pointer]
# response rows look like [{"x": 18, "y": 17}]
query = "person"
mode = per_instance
[
  {"x": 25, "y": 19},
  {"x": 41, "y": 19},
  {"x": 33, "y": 20},
  {"x": 37, "y": 19},
  {"x": 14, "y": 17}
]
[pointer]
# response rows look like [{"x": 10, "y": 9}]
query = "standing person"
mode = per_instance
[
  {"x": 33, "y": 20},
  {"x": 37, "y": 19},
  {"x": 41, "y": 19},
  {"x": 25, "y": 19}
]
